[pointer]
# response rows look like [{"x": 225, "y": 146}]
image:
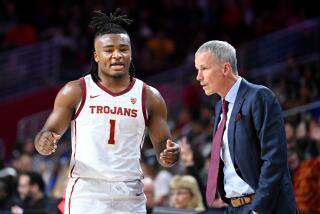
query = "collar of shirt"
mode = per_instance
[{"x": 232, "y": 94}]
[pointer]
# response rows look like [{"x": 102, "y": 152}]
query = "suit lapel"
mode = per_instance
[{"x": 232, "y": 122}]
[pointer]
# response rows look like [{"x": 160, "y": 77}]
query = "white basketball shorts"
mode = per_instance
[{"x": 85, "y": 196}]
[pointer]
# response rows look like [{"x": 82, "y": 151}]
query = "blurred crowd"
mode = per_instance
[
  {"x": 164, "y": 33},
  {"x": 183, "y": 186},
  {"x": 30, "y": 182}
]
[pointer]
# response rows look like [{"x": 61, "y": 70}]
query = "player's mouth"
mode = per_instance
[{"x": 117, "y": 66}]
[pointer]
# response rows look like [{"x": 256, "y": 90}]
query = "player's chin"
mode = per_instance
[{"x": 118, "y": 73}]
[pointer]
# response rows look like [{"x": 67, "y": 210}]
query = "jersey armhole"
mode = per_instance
[
  {"x": 83, "y": 98},
  {"x": 144, "y": 109}
]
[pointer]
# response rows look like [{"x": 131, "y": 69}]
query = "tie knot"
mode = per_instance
[{"x": 224, "y": 106}]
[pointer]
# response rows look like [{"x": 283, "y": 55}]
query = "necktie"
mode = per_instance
[{"x": 215, "y": 157}]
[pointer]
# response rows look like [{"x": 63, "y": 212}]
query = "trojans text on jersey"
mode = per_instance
[{"x": 113, "y": 110}]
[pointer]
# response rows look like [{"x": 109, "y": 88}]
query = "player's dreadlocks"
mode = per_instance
[{"x": 111, "y": 24}]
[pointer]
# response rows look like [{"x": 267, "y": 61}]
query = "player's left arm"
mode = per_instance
[{"x": 167, "y": 151}]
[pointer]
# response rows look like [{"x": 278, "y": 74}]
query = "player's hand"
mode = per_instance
[
  {"x": 47, "y": 143},
  {"x": 170, "y": 154}
]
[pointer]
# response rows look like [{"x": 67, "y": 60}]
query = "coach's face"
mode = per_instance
[
  {"x": 113, "y": 54},
  {"x": 211, "y": 73}
]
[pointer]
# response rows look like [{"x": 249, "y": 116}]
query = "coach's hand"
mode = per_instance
[
  {"x": 46, "y": 142},
  {"x": 170, "y": 154}
]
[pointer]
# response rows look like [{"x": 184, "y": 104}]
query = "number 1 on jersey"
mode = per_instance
[{"x": 112, "y": 132}]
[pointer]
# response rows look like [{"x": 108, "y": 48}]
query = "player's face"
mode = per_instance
[
  {"x": 210, "y": 73},
  {"x": 113, "y": 55}
]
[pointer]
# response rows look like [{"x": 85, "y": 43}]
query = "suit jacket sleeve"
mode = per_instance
[{"x": 269, "y": 125}]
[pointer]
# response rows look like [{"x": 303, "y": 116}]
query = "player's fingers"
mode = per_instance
[
  {"x": 55, "y": 136},
  {"x": 51, "y": 138},
  {"x": 45, "y": 150},
  {"x": 168, "y": 160},
  {"x": 174, "y": 150},
  {"x": 165, "y": 160},
  {"x": 47, "y": 145},
  {"x": 48, "y": 149},
  {"x": 170, "y": 143},
  {"x": 171, "y": 155}
]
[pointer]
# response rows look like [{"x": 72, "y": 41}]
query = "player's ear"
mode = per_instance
[{"x": 95, "y": 56}]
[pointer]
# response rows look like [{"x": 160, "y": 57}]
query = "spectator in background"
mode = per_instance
[
  {"x": 7, "y": 183},
  {"x": 314, "y": 132},
  {"x": 161, "y": 177},
  {"x": 190, "y": 161},
  {"x": 21, "y": 34},
  {"x": 306, "y": 177},
  {"x": 306, "y": 143},
  {"x": 6, "y": 193},
  {"x": 32, "y": 196},
  {"x": 148, "y": 187},
  {"x": 185, "y": 193},
  {"x": 191, "y": 95},
  {"x": 22, "y": 163}
]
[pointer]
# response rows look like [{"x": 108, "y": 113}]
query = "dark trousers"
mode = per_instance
[{"x": 246, "y": 209}]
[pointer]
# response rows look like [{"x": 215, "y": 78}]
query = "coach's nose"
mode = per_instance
[{"x": 199, "y": 76}]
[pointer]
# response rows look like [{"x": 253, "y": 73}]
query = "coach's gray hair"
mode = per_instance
[{"x": 222, "y": 50}]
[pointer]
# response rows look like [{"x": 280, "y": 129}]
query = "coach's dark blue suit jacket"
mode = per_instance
[{"x": 258, "y": 149}]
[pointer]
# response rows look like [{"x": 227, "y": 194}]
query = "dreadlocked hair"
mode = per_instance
[{"x": 112, "y": 24}]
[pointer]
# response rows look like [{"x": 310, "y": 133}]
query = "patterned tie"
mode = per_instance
[{"x": 215, "y": 157}]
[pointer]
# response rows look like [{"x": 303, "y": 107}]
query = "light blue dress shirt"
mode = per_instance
[{"x": 234, "y": 186}]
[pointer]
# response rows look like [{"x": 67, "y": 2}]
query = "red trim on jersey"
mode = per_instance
[
  {"x": 118, "y": 93},
  {"x": 62, "y": 204},
  {"x": 75, "y": 147},
  {"x": 71, "y": 194},
  {"x": 83, "y": 100},
  {"x": 144, "y": 109}
]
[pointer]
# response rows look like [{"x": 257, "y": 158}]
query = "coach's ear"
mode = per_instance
[{"x": 227, "y": 68}]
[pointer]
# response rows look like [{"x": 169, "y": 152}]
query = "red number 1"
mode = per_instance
[{"x": 112, "y": 131}]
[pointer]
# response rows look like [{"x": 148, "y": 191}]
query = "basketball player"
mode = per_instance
[{"x": 109, "y": 110}]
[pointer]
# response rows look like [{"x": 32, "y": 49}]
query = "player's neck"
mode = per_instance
[{"x": 115, "y": 84}]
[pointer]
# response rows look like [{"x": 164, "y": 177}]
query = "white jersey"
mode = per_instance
[{"x": 108, "y": 132}]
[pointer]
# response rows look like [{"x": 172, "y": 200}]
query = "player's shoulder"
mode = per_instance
[
  {"x": 153, "y": 94},
  {"x": 154, "y": 99},
  {"x": 74, "y": 84},
  {"x": 72, "y": 89},
  {"x": 152, "y": 90}
]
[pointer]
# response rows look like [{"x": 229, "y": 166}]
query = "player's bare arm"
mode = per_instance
[
  {"x": 58, "y": 121},
  {"x": 167, "y": 151}
]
